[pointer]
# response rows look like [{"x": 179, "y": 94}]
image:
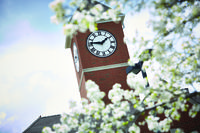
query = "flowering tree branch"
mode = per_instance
[{"x": 174, "y": 63}]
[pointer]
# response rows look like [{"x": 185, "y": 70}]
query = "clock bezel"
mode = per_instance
[
  {"x": 77, "y": 66},
  {"x": 101, "y": 56}
]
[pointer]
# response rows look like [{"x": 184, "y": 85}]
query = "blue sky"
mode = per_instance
[{"x": 37, "y": 75}]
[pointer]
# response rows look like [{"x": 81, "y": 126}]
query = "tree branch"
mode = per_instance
[{"x": 171, "y": 101}]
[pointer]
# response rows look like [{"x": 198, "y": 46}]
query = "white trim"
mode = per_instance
[
  {"x": 104, "y": 21},
  {"x": 92, "y": 69},
  {"x": 80, "y": 82},
  {"x": 104, "y": 67}
]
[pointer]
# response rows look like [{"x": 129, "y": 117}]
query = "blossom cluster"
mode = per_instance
[
  {"x": 174, "y": 64},
  {"x": 57, "y": 7},
  {"x": 83, "y": 19},
  {"x": 120, "y": 115}
]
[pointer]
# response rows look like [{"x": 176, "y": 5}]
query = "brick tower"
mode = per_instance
[{"x": 100, "y": 56}]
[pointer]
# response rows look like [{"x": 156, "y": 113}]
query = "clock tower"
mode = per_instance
[{"x": 100, "y": 56}]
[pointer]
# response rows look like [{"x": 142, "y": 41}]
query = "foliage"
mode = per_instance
[{"x": 174, "y": 61}]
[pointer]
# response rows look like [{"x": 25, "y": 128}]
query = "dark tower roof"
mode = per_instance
[{"x": 41, "y": 122}]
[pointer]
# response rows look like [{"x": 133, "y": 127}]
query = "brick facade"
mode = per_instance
[{"x": 104, "y": 78}]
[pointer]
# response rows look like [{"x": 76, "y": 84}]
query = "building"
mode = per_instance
[{"x": 41, "y": 122}]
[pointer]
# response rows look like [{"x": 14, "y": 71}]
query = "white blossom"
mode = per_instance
[
  {"x": 164, "y": 125},
  {"x": 55, "y": 4},
  {"x": 133, "y": 61},
  {"x": 116, "y": 94},
  {"x": 47, "y": 130},
  {"x": 160, "y": 109},
  {"x": 70, "y": 29},
  {"x": 54, "y": 20},
  {"x": 134, "y": 129},
  {"x": 152, "y": 123},
  {"x": 193, "y": 111}
]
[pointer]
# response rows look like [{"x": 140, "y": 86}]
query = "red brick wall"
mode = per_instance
[
  {"x": 107, "y": 78},
  {"x": 186, "y": 123}
]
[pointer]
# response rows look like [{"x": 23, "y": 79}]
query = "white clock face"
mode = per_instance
[
  {"x": 76, "y": 58},
  {"x": 101, "y": 43}
]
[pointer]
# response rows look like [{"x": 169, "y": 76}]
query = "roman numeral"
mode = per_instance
[
  {"x": 98, "y": 52},
  {"x": 113, "y": 47},
  {"x": 91, "y": 39},
  {"x": 101, "y": 53},
  {"x": 110, "y": 49},
  {"x": 94, "y": 35},
  {"x": 90, "y": 44},
  {"x": 107, "y": 52},
  {"x": 93, "y": 50},
  {"x": 109, "y": 37},
  {"x": 99, "y": 33}
]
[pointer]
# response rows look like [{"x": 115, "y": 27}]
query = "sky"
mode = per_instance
[{"x": 37, "y": 75}]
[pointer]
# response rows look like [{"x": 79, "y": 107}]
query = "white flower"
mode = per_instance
[
  {"x": 56, "y": 126},
  {"x": 54, "y": 19},
  {"x": 93, "y": 92},
  {"x": 133, "y": 61},
  {"x": 120, "y": 131},
  {"x": 47, "y": 130},
  {"x": 165, "y": 125},
  {"x": 125, "y": 106},
  {"x": 160, "y": 109},
  {"x": 105, "y": 16},
  {"x": 128, "y": 95},
  {"x": 60, "y": 1},
  {"x": 99, "y": 7},
  {"x": 106, "y": 128},
  {"x": 84, "y": 101},
  {"x": 84, "y": 127},
  {"x": 137, "y": 82},
  {"x": 72, "y": 122},
  {"x": 83, "y": 26},
  {"x": 193, "y": 111},
  {"x": 118, "y": 113},
  {"x": 165, "y": 97},
  {"x": 113, "y": 15},
  {"x": 78, "y": 16},
  {"x": 56, "y": 4},
  {"x": 152, "y": 123},
  {"x": 115, "y": 94},
  {"x": 97, "y": 10},
  {"x": 70, "y": 29},
  {"x": 90, "y": 18},
  {"x": 91, "y": 85},
  {"x": 53, "y": 5},
  {"x": 134, "y": 129},
  {"x": 92, "y": 27},
  {"x": 113, "y": 3}
]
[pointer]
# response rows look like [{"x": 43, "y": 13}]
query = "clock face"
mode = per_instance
[
  {"x": 76, "y": 58},
  {"x": 101, "y": 43}
]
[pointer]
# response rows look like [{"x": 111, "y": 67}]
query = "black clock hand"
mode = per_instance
[
  {"x": 99, "y": 42},
  {"x": 104, "y": 40},
  {"x": 96, "y": 42}
]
